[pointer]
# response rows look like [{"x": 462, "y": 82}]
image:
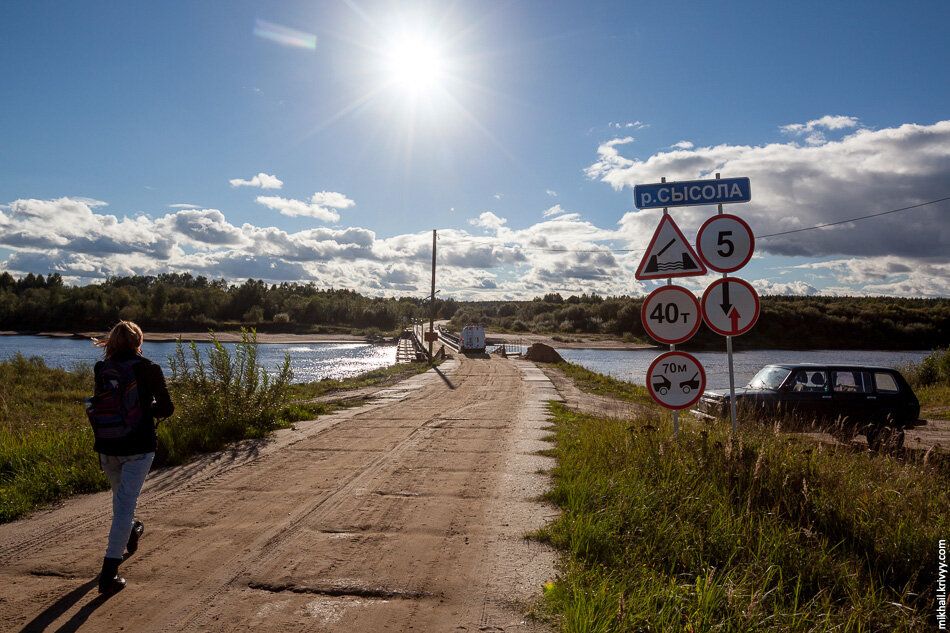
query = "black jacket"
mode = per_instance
[{"x": 156, "y": 403}]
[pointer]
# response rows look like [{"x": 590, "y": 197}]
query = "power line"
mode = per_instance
[
  {"x": 863, "y": 217},
  {"x": 758, "y": 237}
]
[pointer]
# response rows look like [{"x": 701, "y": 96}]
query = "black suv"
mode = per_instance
[{"x": 874, "y": 401}]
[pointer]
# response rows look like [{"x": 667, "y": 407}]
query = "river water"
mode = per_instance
[
  {"x": 309, "y": 361},
  {"x": 632, "y": 365},
  {"x": 315, "y": 361}
]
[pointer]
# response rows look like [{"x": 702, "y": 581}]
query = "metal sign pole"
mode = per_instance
[
  {"x": 676, "y": 413},
  {"x": 732, "y": 375}
]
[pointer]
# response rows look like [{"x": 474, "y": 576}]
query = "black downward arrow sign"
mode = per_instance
[{"x": 726, "y": 305}]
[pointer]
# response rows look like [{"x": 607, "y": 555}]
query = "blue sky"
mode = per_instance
[{"x": 323, "y": 141}]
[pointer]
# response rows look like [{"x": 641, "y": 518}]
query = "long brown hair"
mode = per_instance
[{"x": 126, "y": 336}]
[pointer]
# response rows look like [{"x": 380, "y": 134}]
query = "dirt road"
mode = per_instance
[{"x": 405, "y": 514}]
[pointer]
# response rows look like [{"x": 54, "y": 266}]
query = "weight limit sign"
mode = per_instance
[{"x": 671, "y": 314}]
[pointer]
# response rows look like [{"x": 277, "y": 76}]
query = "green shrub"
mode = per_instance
[
  {"x": 221, "y": 399},
  {"x": 934, "y": 369}
]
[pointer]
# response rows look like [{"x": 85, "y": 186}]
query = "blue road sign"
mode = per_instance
[{"x": 688, "y": 193}]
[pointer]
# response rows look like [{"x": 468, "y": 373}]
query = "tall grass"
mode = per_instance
[
  {"x": 593, "y": 382},
  {"x": 760, "y": 533},
  {"x": 45, "y": 438},
  {"x": 221, "y": 398}
]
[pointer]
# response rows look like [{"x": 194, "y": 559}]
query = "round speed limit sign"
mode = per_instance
[
  {"x": 671, "y": 314},
  {"x": 725, "y": 242}
]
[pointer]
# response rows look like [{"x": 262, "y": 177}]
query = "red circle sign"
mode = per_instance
[
  {"x": 730, "y": 306},
  {"x": 676, "y": 380},
  {"x": 671, "y": 314},
  {"x": 725, "y": 242}
]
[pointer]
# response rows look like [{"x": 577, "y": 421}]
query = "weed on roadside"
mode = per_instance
[{"x": 754, "y": 533}]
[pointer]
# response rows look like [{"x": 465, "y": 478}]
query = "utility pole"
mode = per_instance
[{"x": 432, "y": 298}]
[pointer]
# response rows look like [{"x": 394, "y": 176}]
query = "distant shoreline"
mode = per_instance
[
  {"x": 204, "y": 337},
  {"x": 277, "y": 337}
]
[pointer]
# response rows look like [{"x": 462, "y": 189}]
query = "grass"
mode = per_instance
[
  {"x": 760, "y": 533},
  {"x": 46, "y": 441},
  {"x": 592, "y": 382}
]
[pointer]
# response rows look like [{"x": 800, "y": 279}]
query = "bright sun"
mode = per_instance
[{"x": 415, "y": 64}]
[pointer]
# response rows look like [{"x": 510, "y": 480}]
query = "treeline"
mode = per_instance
[
  {"x": 784, "y": 322},
  {"x": 180, "y": 302}
]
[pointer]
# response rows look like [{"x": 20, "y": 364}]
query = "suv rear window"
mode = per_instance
[
  {"x": 852, "y": 381},
  {"x": 885, "y": 382}
]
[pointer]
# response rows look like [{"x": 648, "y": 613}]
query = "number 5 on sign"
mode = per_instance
[
  {"x": 725, "y": 243},
  {"x": 671, "y": 314}
]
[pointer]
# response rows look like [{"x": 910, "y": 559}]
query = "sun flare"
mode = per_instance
[{"x": 415, "y": 65}]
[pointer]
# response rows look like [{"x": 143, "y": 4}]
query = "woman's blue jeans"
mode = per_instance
[{"x": 126, "y": 475}]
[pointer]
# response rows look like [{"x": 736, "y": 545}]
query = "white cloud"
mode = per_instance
[
  {"x": 262, "y": 180},
  {"x": 794, "y": 186},
  {"x": 827, "y": 122},
  {"x": 682, "y": 145},
  {"x": 184, "y": 205},
  {"x": 488, "y": 220},
  {"x": 322, "y": 205},
  {"x": 813, "y": 130},
  {"x": 799, "y": 288},
  {"x": 636, "y": 125},
  {"x": 551, "y": 193},
  {"x": 797, "y": 187}
]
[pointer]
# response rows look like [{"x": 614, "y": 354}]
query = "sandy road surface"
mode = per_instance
[{"x": 405, "y": 514}]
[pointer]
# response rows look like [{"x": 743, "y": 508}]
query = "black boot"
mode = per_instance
[
  {"x": 138, "y": 528},
  {"x": 109, "y": 580}
]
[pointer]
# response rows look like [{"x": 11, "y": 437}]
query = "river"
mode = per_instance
[
  {"x": 315, "y": 361},
  {"x": 310, "y": 361},
  {"x": 632, "y": 365}
]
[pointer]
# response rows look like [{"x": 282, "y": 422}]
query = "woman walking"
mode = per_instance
[{"x": 127, "y": 448}]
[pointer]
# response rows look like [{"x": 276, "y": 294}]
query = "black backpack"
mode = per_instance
[{"x": 115, "y": 410}]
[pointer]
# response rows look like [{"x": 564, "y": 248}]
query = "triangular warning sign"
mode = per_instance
[{"x": 669, "y": 254}]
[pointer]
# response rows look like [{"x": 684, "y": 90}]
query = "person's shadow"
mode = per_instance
[{"x": 40, "y": 623}]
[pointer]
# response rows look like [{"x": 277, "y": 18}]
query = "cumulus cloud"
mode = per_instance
[
  {"x": 488, "y": 220},
  {"x": 262, "y": 180},
  {"x": 322, "y": 205},
  {"x": 551, "y": 192},
  {"x": 794, "y": 185},
  {"x": 797, "y": 288},
  {"x": 797, "y": 186}
]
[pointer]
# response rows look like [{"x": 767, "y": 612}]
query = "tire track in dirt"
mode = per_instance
[{"x": 408, "y": 512}]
